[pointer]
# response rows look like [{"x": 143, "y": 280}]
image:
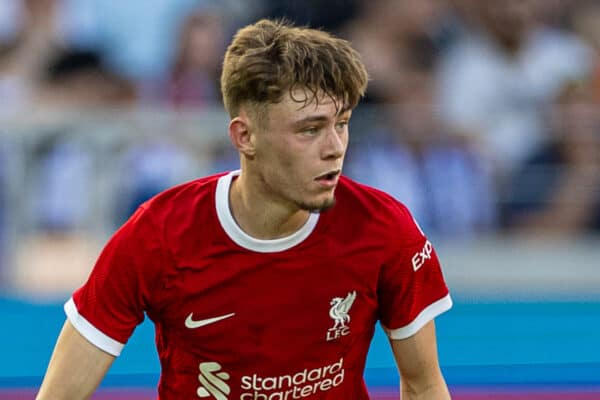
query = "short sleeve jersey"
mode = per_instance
[{"x": 241, "y": 318}]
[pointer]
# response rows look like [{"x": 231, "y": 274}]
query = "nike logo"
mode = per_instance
[{"x": 191, "y": 324}]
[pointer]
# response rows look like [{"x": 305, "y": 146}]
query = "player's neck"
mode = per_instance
[{"x": 260, "y": 216}]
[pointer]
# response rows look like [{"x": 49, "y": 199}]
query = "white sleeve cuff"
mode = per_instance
[
  {"x": 428, "y": 314},
  {"x": 90, "y": 332}
]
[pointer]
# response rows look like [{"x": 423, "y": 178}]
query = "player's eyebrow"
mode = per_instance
[
  {"x": 311, "y": 118},
  {"x": 320, "y": 118}
]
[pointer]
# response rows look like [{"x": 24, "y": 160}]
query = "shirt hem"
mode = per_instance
[
  {"x": 429, "y": 313},
  {"x": 90, "y": 332}
]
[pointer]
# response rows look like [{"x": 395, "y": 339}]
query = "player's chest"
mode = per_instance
[{"x": 273, "y": 301}]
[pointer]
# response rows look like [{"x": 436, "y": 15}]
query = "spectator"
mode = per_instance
[
  {"x": 79, "y": 79},
  {"x": 501, "y": 72},
  {"x": 396, "y": 36},
  {"x": 413, "y": 158},
  {"x": 24, "y": 58},
  {"x": 556, "y": 191},
  {"x": 49, "y": 61},
  {"x": 194, "y": 77}
]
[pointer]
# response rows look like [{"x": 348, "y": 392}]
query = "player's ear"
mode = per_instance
[{"x": 242, "y": 135}]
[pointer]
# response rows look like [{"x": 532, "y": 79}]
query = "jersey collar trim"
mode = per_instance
[{"x": 246, "y": 241}]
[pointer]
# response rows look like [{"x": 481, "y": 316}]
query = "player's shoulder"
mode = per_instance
[
  {"x": 179, "y": 198},
  {"x": 367, "y": 200},
  {"x": 376, "y": 214}
]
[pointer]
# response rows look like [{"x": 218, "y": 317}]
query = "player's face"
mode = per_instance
[{"x": 301, "y": 151}]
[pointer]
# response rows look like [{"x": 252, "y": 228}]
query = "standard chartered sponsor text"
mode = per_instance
[{"x": 300, "y": 385}]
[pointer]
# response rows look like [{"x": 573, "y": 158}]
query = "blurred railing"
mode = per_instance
[
  {"x": 68, "y": 180},
  {"x": 97, "y": 144}
]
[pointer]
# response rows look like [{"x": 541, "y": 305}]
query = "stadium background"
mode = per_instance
[{"x": 482, "y": 116}]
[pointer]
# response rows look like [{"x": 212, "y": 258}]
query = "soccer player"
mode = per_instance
[{"x": 266, "y": 283}]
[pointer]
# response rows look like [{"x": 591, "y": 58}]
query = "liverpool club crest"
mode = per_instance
[{"x": 339, "y": 310}]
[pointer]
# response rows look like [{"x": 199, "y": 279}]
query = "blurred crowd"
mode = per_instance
[{"x": 481, "y": 115}]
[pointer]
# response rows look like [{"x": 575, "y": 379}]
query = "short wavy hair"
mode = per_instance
[{"x": 270, "y": 58}]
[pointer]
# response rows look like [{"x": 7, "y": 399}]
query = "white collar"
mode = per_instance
[{"x": 246, "y": 241}]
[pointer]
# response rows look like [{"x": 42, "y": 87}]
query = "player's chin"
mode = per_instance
[{"x": 322, "y": 203}]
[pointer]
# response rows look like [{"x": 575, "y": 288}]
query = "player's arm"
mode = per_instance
[
  {"x": 417, "y": 360},
  {"x": 76, "y": 367}
]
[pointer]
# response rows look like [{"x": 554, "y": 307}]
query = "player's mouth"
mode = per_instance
[{"x": 329, "y": 179}]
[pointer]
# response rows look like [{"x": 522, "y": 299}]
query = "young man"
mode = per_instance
[{"x": 266, "y": 283}]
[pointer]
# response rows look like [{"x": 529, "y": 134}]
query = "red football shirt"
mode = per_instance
[{"x": 242, "y": 318}]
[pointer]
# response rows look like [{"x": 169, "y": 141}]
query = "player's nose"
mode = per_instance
[{"x": 334, "y": 144}]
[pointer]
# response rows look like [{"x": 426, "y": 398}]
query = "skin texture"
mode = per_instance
[
  {"x": 278, "y": 185},
  {"x": 417, "y": 360},
  {"x": 76, "y": 368}
]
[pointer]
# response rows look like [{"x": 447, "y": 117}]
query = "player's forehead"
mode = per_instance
[{"x": 301, "y": 103}]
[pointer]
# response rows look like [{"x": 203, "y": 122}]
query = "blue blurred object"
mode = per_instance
[{"x": 498, "y": 344}]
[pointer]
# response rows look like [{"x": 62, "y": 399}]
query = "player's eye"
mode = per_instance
[
  {"x": 341, "y": 125},
  {"x": 310, "y": 130}
]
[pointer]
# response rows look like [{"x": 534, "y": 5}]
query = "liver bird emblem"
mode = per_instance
[{"x": 339, "y": 310}]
